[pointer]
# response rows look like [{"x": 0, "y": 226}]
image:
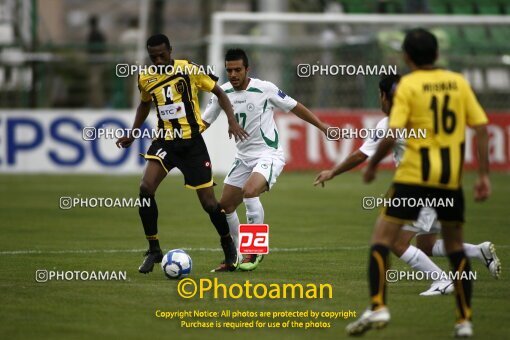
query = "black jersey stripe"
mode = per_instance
[
  {"x": 161, "y": 124},
  {"x": 461, "y": 164},
  {"x": 213, "y": 77},
  {"x": 176, "y": 127},
  {"x": 445, "y": 165},
  {"x": 187, "y": 99},
  {"x": 425, "y": 164}
]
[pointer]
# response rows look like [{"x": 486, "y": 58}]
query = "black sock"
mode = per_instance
[
  {"x": 378, "y": 264},
  {"x": 149, "y": 216},
  {"x": 219, "y": 219},
  {"x": 463, "y": 287}
]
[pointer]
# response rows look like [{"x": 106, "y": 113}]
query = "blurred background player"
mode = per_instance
[
  {"x": 443, "y": 103},
  {"x": 426, "y": 227},
  {"x": 96, "y": 41},
  {"x": 175, "y": 97},
  {"x": 260, "y": 158}
]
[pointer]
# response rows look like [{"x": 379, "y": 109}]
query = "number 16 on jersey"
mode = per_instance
[{"x": 254, "y": 238}]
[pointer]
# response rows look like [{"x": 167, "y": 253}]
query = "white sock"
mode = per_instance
[
  {"x": 254, "y": 210},
  {"x": 418, "y": 260},
  {"x": 233, "y": 225},
  {"x": 471, "y": 250},
  {"x": 438, "y": 249}
]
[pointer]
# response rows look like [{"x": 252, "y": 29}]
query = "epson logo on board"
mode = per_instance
[{"x": 44, "y": 141}]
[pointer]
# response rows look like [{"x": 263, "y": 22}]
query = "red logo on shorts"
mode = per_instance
[
  {"x": 254, "y": 238},
  {"x": 207, "y": 164}
]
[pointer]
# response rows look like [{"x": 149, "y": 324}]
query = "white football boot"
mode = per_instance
[
  {"x": 463, "y": 330},
  {"x": 439, "y": 288},
  {"x": 492, "y": 261},
  {"x": 368, "y": 320}
]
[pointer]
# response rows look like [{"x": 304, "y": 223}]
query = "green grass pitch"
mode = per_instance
[{"x": 330, "y": 223}]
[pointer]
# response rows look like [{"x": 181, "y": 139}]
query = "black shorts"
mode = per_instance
[
  {"x": 188, "y": 155},
  {"x": 448, "y": 204}
]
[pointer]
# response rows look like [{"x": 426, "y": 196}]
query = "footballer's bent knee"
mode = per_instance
[
  {"x": 146, "y": 189},
  {"x": 228, "y": 208},
  {"x": 209, "y": 205},
  {"x": 399, "y": 248},
  {"x": 251, "y": 192}
]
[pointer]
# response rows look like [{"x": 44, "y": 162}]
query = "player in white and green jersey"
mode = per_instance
[{"x": 259, "y": 159}]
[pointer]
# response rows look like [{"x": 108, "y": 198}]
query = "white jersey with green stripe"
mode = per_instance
[
  {"x": 370, "y": 146},
  {"x": 254, "y": 110}
]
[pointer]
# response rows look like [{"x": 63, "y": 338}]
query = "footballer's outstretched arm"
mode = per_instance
[
  {"x": 302, "y": 112},
  {"x": 352, "y": 161},
  {"x": 141, "y": 115},
  {"x": 384, "y": 147},
  {"x": 233, "y": 126},
  {"x": 482, "y": 184}
]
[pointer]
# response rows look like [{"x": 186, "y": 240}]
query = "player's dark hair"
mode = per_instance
[
  {"x": 388, "y": 85},
  {"x": 421, "y": 46},
  {"x": 158, "y": 39},
  {"x": 237, "y": 54}
]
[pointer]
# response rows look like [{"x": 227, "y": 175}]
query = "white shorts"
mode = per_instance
[
  {"x": 426, "y": 223},
  {"x": 270, "y": 167}
]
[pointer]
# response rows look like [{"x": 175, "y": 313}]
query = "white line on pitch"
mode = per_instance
[
  {"x": 275, "y": 250},
  {"x": 98, "y": 251}
]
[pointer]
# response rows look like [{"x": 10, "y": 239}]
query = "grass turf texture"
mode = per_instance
[{"x": 299, "y": 215}]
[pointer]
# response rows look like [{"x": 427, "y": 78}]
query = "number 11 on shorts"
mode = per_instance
[{"x": 254, "y": 238}]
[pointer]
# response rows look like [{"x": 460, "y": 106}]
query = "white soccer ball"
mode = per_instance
[{"x": 176, "y": 264}]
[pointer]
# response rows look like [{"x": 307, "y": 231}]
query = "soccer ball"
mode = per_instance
[{"x": 176, "y": 264}]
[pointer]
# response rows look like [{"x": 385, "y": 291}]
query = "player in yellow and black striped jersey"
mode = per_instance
[
  {"x": 174, "y": 92},
  {"x": 175, "y": 96},
  {"x": 442, "y": 103}
]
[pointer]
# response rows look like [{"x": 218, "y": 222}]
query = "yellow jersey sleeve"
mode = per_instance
[
  {"x": 202, "y": 80},
  {"x": 399, "y": 115},
  {"x": 145, "y": 96},
  {"x": 475, "y": 115}
]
